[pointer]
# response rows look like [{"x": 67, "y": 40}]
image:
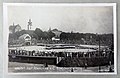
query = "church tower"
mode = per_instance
[{"x": 29, "y": 24}]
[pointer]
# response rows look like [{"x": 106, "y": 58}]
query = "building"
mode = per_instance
[
  {"x": 55, "y": 39},
  {"x": 14, "y": 28},
  {"x": 57, "y": 34},
  {"x": 25, "y": 39}
]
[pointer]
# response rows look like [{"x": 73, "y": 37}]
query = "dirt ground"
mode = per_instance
[{"x": 15, "y": 67}]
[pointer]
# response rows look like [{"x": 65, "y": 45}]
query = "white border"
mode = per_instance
[{"x": 5, "y": 35}]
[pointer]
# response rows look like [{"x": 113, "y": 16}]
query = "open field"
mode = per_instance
[{"x": 85, "y": 48}]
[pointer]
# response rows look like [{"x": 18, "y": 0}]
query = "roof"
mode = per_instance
[
  {"x": 24, "y": 35},
  {"x": 12, "y": 27},
  {"x": 54, "y": 30}
]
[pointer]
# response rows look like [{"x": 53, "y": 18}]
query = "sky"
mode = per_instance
[{"x": 83, "y": 19}]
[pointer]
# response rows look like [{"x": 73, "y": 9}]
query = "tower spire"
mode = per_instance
[
  {"x": 49, "y": 29},
  {"x": 13, "y": 24}
]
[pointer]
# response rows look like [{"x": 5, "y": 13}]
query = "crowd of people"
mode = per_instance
[
  {"x": 69, "y": 59},
  {"x": 59, "y": 54}
]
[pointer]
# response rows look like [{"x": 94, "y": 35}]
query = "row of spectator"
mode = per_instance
[{"x": 60, "y": 54}]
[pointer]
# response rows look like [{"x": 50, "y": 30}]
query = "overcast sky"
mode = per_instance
[{"x": 85, "y": 19}]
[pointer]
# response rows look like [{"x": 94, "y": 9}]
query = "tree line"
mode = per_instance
[
  {"x": 89, "y": 38},
  {"x": 37, "y": 34}
]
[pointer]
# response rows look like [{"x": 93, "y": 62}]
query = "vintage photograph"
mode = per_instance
[{"x": 61, "y": 38}]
